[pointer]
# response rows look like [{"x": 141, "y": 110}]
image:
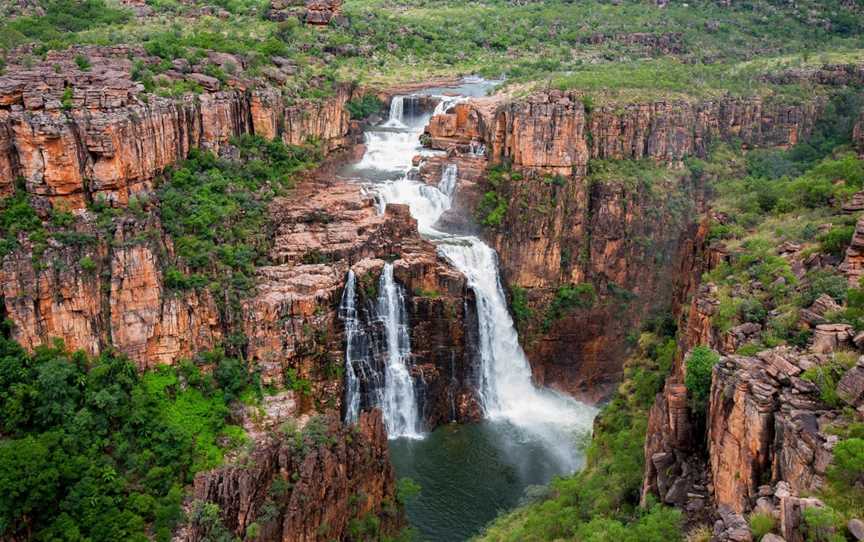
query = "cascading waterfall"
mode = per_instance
[
  {"x": 400, "y": 403},
  {"x": 364, "y": 384},
  {"x": 505, "y": 388},
  {"x": 393, "y": 389},
  {"x": 353, "y": 335},
  {"x": 447, "y": 186},
  {"x": 397, "y": 111}
]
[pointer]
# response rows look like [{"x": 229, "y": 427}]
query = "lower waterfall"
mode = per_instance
[
  {"x": 377, "y": 375},
  {"x": 399, "y": 402}
]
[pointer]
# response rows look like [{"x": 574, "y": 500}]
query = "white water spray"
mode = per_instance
[
  {"x": 400, "y": 403},
  {"x": 353, "y": 335}
]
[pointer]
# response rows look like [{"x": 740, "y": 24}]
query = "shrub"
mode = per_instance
[
  {"x": 762, "y": 524},
  {"x": 700, "y": 364},
  {"x": 848, "y": 465},
  {"x": 568, "y": 298},
  {"x": 519, "y": 304},
  {"x": 406, "y": 490},
  {"x": 66, "y": 99},
  {"x": 82, "y": 62},
  {"x": 837, "y": 240},
  {"x": 87, "y": 264},
  {"x": 364, "y": 106},
  {"x": 827, "y": 376},
  {"x": 823, "y": 524}
]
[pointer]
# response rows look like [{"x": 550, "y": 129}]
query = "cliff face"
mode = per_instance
[
  {"x": 766, "y": 438},
  {"x": 77, "y": 136},
  {"x": 280, "y": 489},
  {"x": 554, "y": 133},
  {"x": 100, "y": 282},
  {"x": 631, "y": 238}
]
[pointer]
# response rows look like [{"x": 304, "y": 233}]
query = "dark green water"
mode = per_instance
[{"x": 469, "y": 474}]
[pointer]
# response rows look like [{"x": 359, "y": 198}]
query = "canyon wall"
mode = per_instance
[
  {"x": 76, "y": 136},
  {"x": 276, "y": 496},
  {"x": 572, "y": 218},
  {"x": 70, "y": 139}
]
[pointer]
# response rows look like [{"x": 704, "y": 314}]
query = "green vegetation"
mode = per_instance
[
  {"x": 762, "y": 524},
  {"x": 407, "y": 489},
  {"x": 773, "y": 196},
  {"x": 364, "y": 106},
  {"x": 602, "y": 502},
  {"x": 17, "y": 218},
  {"x": 495, "y": 202},
  {"x": 826, "y": 377},
  {"x": 216, "y": 212},
  {"x": 630, "y": 173},
  {"x": 93, "y": 450},
  {"x": 567, "y": 299},
  {"x": 62, "y": 20},
  {"x": 522, "y": 312},
  {"x": 700, "y": 364}
]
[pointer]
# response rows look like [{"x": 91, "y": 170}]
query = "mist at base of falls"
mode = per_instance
[{"x": 469, "y": 473}]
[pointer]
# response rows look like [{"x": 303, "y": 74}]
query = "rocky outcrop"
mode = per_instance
[
  {"x": 289, "y": 322},
  {"x": 76, "y": 136},
  {"x": 554, "y": 133},
  {"x": 766, "y": 423},
  {"x": 853, "y": 263},
  {"x": 312, "y": 12},
  {"x": 120, "y": 300},
  {"x": 307, "y": 484}
]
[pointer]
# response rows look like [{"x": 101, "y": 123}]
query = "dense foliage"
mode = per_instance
[
  {"x": 601, "y": 503},
  {"x": 216, "y": 211},
  {"x": 91, "y": 450},
  {"x": 700, "y": 363}
]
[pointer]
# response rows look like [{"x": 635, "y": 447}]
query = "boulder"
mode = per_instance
[
  {"x": 856, "y": 528},
  {"x": 829, "y": 337},
  {"x": 815, "y": 314},
  {"x": 208, "y": 83},
  {"x": 851, "y": 386}
]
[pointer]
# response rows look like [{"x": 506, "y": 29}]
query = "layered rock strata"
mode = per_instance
[
  {"x": 76, "y": 136},
  {"x": 307, "y": 487}
]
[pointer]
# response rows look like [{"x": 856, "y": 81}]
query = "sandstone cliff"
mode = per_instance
[
  {"x": 631, "y": 239},
  {"x": 76, "y": 136},
  {"x": 277, "y": 494}
]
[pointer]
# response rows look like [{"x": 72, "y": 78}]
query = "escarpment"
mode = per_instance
[
  {"x": 78, "y": 136},
  {"x": 89, "y": 153},
  {"x": 570, "y": 214},
  {"x": 278, "y": 495}
]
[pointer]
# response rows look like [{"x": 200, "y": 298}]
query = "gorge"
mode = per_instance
[
  {"x": 531, "y": 431},
  {"x": 392, "y": 270}
]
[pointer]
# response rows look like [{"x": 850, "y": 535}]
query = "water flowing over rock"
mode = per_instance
[{"x": 504, "y": 385}]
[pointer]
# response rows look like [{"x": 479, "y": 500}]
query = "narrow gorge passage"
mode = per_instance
[{"x": 468, "y": 473}]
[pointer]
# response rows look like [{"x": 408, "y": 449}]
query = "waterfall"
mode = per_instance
[
  {"x": 397, "y": 112},
  {"x": 353, "y": 336},
  {"x": 505, "y": 387},
  {"x": 447, "y": 186},
  {"x": 400, "y": 403},
  {"x": 392, "y": 389}
]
